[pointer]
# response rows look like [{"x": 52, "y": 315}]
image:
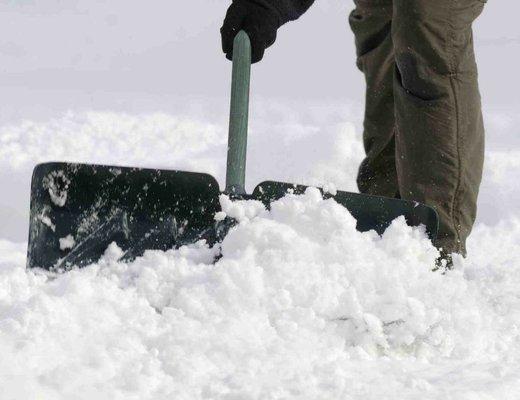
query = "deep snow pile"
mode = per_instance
[{"x": 300, "y": 305}]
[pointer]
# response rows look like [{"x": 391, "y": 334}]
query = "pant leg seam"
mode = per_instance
[
  {"x": 452, "y": 75},
  {"x": 455, "y": 203}
]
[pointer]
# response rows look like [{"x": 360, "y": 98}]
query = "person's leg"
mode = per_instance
[
  {"x": 439, "y": 129},
  {"x": 371, "y": 23}
]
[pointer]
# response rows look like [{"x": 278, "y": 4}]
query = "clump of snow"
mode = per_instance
[
  {"x": 330, "y": 188},
  {"x": 240, "y": 210},
  {"x": 46, "y": 220},
  {"x": 67, "y": 242},
  {"x": 57, "y": 184},
  {"x": 300, "y": 305}
]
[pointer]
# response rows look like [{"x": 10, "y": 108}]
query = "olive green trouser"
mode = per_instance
[{"x": 423, "y": 130}]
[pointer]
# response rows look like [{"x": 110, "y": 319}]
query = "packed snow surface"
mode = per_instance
[{"x": 294, "y": 304}]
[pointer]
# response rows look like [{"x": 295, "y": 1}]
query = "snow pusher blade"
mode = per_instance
[
  {"x": 77, "y": 210},
  {"x": 371, "y": 212}
]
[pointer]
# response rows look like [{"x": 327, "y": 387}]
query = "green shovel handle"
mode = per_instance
[{"x": 238, "y": 117}]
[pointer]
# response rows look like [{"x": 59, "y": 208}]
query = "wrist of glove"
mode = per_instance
[{"x": 259, "y": 21}]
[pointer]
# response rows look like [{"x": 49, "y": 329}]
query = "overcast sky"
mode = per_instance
[{"x": 126, "y": 54}]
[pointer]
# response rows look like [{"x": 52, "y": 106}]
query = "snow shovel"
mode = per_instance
[
  {"x": 78, "y": 210},
  {"x": 371, "y": 212}
]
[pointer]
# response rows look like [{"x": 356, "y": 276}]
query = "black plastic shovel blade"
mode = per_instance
[
  {"x": 371, "y": 212},
  {"x": 77, "y": 210}
]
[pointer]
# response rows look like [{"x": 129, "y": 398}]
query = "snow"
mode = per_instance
[
  {"x": 300, "y": 305},
  {"x": 57, "y": 185},
  {"x": 46, "y": 220},
  {"x": 67, "y": 242}
]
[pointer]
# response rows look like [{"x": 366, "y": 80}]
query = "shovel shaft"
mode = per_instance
[{"x": 238, "y": 118}]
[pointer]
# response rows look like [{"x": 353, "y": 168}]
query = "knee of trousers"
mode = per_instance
[{"x": 419, "y": 77}]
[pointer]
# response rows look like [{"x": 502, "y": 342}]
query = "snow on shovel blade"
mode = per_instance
[
  {"x": 77, "y": 210},
  {"x": 371, "y": 212}
]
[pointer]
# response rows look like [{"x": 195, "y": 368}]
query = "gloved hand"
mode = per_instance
[{"x": 259, "y": 21}]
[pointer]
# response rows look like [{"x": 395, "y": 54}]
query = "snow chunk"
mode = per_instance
[
  {"x": 241, "y": 210},
  {"x": 67, "y": 242},
  {"x": 57, "y": 185},
  {"x": 220, "y": 216},
  {"x": 46, "y": 220}
]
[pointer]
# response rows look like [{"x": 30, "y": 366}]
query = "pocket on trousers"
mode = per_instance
[{"x": 426, "y": 125}]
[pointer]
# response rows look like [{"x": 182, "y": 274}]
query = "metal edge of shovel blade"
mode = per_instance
[
  {"x": 371, "y": 212},
  {"x": 77, "y": 210}
]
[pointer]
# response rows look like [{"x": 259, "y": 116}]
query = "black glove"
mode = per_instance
[{"x": 259, "y": 21}]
